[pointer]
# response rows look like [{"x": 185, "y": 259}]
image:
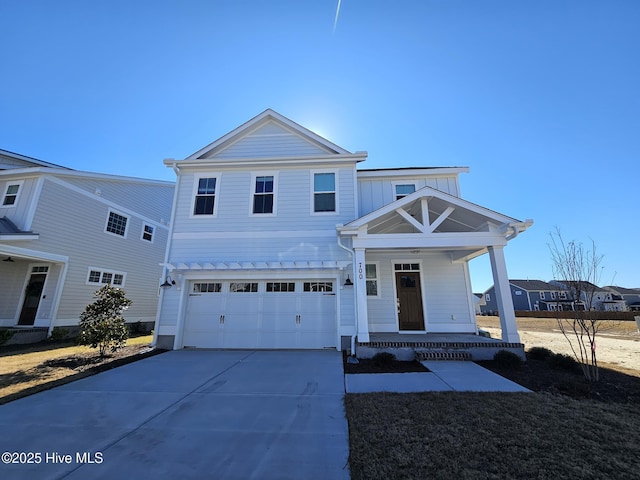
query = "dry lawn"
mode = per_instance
[
  {"x": 452, "y": 435},
  {"x": 28, "y": 369}
]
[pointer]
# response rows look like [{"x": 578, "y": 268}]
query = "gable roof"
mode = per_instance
[
  {"x": 623, "y": 290},
  {"x": 269, "y": 126},
  {"x": 533, "y": 285},
  {"x": 448, "y": 211},
  {"x": 11, "y": 160}
]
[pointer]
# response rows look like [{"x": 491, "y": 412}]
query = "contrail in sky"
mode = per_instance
[{"x": 335, "y": 21}]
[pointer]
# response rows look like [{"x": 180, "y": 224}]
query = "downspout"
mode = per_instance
[
  {"x": 176, "y": 170},
  {"x": 353, "y": 337}
]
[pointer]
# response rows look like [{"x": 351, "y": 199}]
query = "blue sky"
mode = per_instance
[{"x": 540, "y": 98}]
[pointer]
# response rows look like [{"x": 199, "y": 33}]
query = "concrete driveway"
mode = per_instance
[{"x": 187, "y": 415}]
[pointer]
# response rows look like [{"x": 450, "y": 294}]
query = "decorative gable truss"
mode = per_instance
[{"x": 429, "y": 218}]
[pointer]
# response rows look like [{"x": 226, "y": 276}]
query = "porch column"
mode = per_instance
[
  {"x": 503, "y": 295},
  {"x": 362, "y": 319}
]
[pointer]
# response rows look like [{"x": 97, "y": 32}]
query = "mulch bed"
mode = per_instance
[
  {"x": 369, "y": 365},
  {"x": 536, "y": 375}
]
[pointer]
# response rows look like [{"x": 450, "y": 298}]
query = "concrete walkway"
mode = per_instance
[
  {"x": 187, "y": 415},
  {"x": 443, "y": 376}
]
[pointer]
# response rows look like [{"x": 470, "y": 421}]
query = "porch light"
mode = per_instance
[
  {"x": 168, "y": 282},
  {"x": 348, "y": 282},
  {"x": 9, "y": 259}
]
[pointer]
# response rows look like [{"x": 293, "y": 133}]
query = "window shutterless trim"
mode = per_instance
[
  {"x": 11, "y": 196},
  {"x": 96, "y": 276},
  {"x": 215, "y": 195},
  {"x": 273, "y": 193},
  {"x": 115, "y": 223},
  {"x": 335, "y": 192},
  {"x": 151, "y": 234}
]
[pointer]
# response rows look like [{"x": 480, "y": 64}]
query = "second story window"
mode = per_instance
[
  {"x": 324, "y": 192},
  {"x": 263, "y": 194},
  {"x": 205, "y": 196},
  {"x": 11, "y": 194},
  {"x": 147, "y": 232},
  {"x": 402, "y": 190},
  {"x": 117, "y": 224}
]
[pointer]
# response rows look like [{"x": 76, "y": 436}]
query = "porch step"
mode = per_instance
[{"x": 422, "y": 355}]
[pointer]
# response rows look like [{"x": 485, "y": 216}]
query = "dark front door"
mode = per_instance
[
  {"x": 32, "y": 299},
  {"x": 410, "y": 316}
]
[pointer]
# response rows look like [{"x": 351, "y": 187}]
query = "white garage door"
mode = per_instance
[{"x": 261, "y": 314}]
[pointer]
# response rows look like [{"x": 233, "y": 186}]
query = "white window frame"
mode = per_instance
[
  {"x": 376, "y": 279},
  {"x": 542, "y": 296},
  {"x": 254, "y": 177},
  {"x": 400, "y": 182},
  {"x": 153, "y": 232},
  {"x": 335, "y": 191},
  {"x": 562, "y": 295},
  {"x": 126, "y": 228},
  {"x": 102, "y": 272},
  {"x": 216, "y": 195},
  {"x": 20, "y": 184},
  {"x": 487, "y": 297},
  {"x": 553, "y": 295}
]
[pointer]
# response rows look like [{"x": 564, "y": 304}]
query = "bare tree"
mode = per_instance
[{"x": 578, "y": 269}]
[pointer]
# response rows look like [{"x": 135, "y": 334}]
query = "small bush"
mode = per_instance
[
  {"x": 539, "y": 353},
  {"x": 58, "y": 333},
  {"x": 137, "y": 327},
  {"x": 507, "y": 360},
  {"x": 560, "y": 361},
  {"x": 5, "y": 335},
  {"x": 383, "y": 359}
]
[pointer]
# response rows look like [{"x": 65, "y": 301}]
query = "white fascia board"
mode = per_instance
[
  {"x": 15, "y": 238},
  {"x": 34, "y": 171},
  {"x": 33, "y": 254},
  {"x": 263, "y": 162},
  {"x": 412, "y": 172},
  {"x": 438, "y": 240}
]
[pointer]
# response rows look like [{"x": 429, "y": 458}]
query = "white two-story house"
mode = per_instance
[
  {"x": 279, "y": 240},
  {"x": 65, "y": 233}
]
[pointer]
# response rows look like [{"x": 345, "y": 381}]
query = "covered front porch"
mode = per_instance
[{"x": 442, "y": 233}]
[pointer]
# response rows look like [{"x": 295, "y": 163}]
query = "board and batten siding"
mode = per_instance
[
  {"x": 73, "y": 225},
  {"x": 270, "y": 140},
  {"x": 376, "y": 192},
  {"x": 445, "y": 294}
]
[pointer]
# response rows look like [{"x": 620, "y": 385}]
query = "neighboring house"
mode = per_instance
[
  {"x": 530, "y": 295},
  {"x": 479, "y": 302},
  {"x": 65, "y": 233},
  {"x": 591, "y": 297},
  {"x": 279, "y": 241},
  {"x": 630, "y": 296}
]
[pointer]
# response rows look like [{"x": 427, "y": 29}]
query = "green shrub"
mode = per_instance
[
  {"x": 507, "y": 360},
  {"x": 5, "y": 335},
  {"x": 58, "y": 333},
  {"x": 539, "y": 353},
  {"x": 560, "y": 361},
  {"x": 101, "y": 324},
  {"x": 383, "y": 359},
  {"x": 137, "y": 327}
]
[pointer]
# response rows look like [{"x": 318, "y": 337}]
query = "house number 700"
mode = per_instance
[{"x": 360, "y": 270}]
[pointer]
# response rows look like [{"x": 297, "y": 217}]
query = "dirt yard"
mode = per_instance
[{"x": 617, "y": 344}]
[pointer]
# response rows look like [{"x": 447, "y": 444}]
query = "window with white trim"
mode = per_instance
[
  {"x": 541, "y": 295},
  {"x": 117, "y": 224},
  {"x": 404, "y": 189},
  {"x": 273, "y": 287},
  {"x": 406, "y": 267},
  {"x": 243, "y": 287},
  {"x": 100, "y": 276},
  {"x": 371, "y": 271},
  {"x": 209, "y": 287},
  {"x": 263, "y": 194},
  {"x": 205, "y": 196},
  {"x": 317, "y": 286},
  {"x": 324, "y": 192},
  {"x": 487, "y": 297},
  {"x": 147, "y": 232},
  {"x": 553, "y": 295},
  {"x": 11, "y": 194},
  {"x": 563, "y": 295}
]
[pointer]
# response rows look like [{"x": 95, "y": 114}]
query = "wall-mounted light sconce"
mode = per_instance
[
  {"x": 348, "y": 282},
  {"x": 168, "y": 282}
]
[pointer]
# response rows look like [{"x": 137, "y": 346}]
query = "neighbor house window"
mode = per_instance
[
  {"x": 563, "y": 295},
  {"x": 541, "y": 295},
  {"x": 372, "y": 279},
  {"x": 487, "y": 297},
  {"x": 100, "y": 276},
  {"x": 263, "y": 194},
  {"x": 402, "y": 190},
  {"x": 117, "y": 224},
  {"x": 324, "y": 192},
  {"x": 205, "y": 200},
  {"x": 147, "y": 232},
  {"x": 11, "y": 194},
  {"x": 553, "y": 295}
]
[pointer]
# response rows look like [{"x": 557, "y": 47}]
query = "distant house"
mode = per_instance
[
  {"x": 591, "y": 297},
  {"x": 630, "y": 296},
  {"x": 65, "y": 233},
  {"x": 279, "y": 241},
  {"x": 530, "y": 295}
]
